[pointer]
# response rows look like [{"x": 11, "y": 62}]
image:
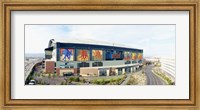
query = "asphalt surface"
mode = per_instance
[{"x": 151, "y": 78}]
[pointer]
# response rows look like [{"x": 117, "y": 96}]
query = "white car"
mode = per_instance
[{"x": 32, "y": 82}]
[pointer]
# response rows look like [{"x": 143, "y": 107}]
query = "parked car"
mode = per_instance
[
  {"x": 68, "y": 74},
  {"x": 32, "y": 82}
]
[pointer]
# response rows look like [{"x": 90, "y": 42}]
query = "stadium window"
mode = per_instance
[
  {"x": 83, "y": 64},
  {"x": 94, "y": 64},
  {"x": 128, "y": 62},
  {"x": 134, "y": 62},
  {"x": 97, "y": 64}
]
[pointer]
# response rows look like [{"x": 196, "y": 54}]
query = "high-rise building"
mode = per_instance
[{"x": 168, "y": 65}]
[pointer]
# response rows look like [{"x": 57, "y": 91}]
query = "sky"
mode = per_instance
[{"x": 155, "y": 40}]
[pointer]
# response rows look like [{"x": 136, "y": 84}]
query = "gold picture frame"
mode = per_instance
[{"x": 96, "y": 5}]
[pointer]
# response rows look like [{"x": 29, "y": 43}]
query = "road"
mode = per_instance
[
  {"x": 29, "y": 66},
  {"x": 151, "y": 78}
]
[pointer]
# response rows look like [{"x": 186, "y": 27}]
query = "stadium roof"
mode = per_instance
[{"x": 88, "y": 41}]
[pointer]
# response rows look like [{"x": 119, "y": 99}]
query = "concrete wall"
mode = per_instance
[
  {"x": 53, "y": 54},
  {"x": 89, "y": 71},
  {"x": 60, "y": 64},
  {"x": 105, "y": 63},
  {"x": 113, "y": 63}
]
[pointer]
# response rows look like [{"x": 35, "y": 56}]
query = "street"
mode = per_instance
[
  {"x": 151, "y": 78},
  {"x": 28, "y": 66}
]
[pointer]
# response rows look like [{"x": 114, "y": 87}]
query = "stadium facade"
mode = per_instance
[{"x": 86, "y": 59}]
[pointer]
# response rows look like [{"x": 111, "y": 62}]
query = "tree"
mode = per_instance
[
  {"x": 54, "y": 75},
  {"x": 49, "y": 75}
]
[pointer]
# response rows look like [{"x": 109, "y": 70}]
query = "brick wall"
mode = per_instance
[
  {"x": 58, "y": 71},
  {"x": 75, "y": 70},
  {"x": 49, "y": 66}
]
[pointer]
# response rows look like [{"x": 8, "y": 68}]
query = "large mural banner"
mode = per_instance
[
  {"x": 127, "y": 55},
  {"x": 134, "y": 56},
  {"x": 114, "y": 55},
  {"x": 140, "y": 56},
  {"x": 83, "y": 55},
  {"x": 97, "y": 55},
  {"x": 66, "y": 54}
]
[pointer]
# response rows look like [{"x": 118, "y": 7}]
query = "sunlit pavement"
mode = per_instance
[{"x": 151, "y": 78}]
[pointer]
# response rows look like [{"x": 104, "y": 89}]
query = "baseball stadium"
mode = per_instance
[{"x": 87, "y": 59}]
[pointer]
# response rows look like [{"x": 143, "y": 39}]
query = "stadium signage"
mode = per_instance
[{"x": 117, "y": 55}]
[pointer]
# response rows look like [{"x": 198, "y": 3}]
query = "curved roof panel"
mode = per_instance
[{"x": 93, "y": 42}]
